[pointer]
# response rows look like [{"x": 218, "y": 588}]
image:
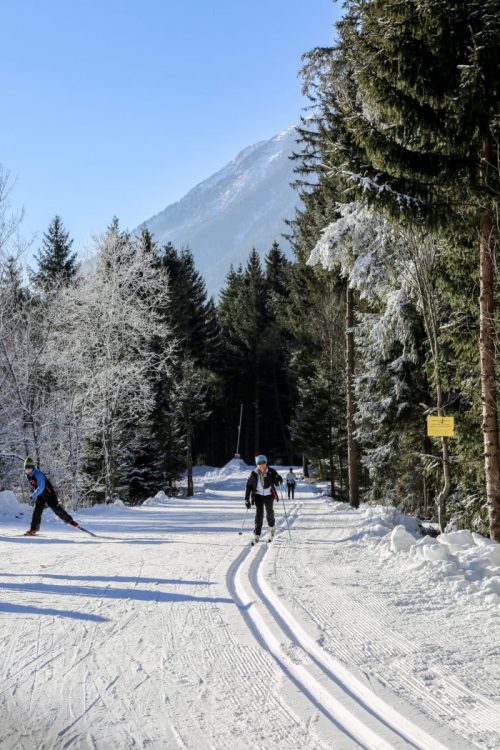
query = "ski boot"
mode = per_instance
[
  {"x": 255, "y": 539},
  {"x": 30, "y": 532}
]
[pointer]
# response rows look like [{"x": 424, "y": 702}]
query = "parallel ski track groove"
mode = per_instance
[
  {"x": 359, "y": 693},
  {"x": 315, "y": 692},
  {"x": 337, "y": 673},
  {"x": 453, "y": 697}
]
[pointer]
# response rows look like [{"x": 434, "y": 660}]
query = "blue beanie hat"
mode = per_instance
[{"x": 260, "y": 459}]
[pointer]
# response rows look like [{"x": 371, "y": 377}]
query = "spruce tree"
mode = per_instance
[
  {"x": 191, "y": 313},
  {"x": 254, "y": 360},
  {"x": 56, "y": 263}
]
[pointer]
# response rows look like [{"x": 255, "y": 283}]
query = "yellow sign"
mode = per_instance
[{"x": 441, "y": 426}]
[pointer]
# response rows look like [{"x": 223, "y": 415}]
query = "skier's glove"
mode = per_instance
[{"x": 247, "y": 504}]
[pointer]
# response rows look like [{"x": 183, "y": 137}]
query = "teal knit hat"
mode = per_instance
[
  {"x": 29, "y": 463},
  {"x": 260, "y": 459}
]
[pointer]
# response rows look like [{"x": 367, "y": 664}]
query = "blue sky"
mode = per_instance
[{"x": 119, "y": 107}]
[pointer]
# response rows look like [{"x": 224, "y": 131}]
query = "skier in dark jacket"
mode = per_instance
[
  {"x": 261, "y": 492},
  {"x": 43, "y": 493}
]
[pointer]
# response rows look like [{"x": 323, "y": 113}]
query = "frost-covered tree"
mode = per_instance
[
  {"x": 368, "y": 252},
  {"x": 103, "y": 354},
  {"x": 24, "y": 329}
]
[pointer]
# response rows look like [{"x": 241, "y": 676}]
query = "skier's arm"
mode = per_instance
[
  {"x": 40, "y": 480},
  {"x": 277, "y": 478},
  {"x": 248, "y": 490}
]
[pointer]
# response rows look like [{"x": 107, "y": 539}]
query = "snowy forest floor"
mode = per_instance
[{"x": 171, "y": 632}]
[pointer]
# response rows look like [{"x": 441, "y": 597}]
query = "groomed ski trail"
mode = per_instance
[
  {"x": 175, "y": 633},
  {"x": 349, "y": 704},
  {"x": 346, "y": 702}
]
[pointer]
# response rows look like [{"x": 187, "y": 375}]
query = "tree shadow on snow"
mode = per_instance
[
  {"x": 25, "y": 609},
  {"x": 36, "y": 540},
  {"x": 118, "y": 579},
  {"x": 132, "y": 594}
]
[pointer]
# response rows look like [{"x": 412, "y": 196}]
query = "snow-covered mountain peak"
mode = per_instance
[{"x": 243, "y": 205}]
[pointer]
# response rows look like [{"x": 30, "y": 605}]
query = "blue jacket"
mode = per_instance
[{"x": 41, "y": 483}]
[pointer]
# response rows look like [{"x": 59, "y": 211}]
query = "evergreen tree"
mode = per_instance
[
  {"x": 278, "y": 279},
  {"x": 316, "y": 427},
  {"x": 191, "y": 313},
  {"x": 408, "y": 104},
  {"x": 256, "y": 354},
  {"x": 56, "y": 263},
  {"x": 14, "y": 294},
  {"x": 193, "y": 318}
]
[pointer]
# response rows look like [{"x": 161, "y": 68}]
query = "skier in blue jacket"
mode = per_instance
[{"x": 43, "y": 493}]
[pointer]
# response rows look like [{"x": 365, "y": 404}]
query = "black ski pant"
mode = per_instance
[
  {"x": 260, "y": 502},
  {"x": 291, "y": 490},
  {"x": 49, "y": 498}
]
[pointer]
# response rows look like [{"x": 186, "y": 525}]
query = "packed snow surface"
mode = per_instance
[{"x": 169, "y": 631}]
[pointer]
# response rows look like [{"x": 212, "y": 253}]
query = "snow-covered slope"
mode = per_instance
[{"x": 244, "y": 205}]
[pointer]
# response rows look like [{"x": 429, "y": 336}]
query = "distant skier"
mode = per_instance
[
  {"x": 43, "y": 493},
  {"x": 291, "y": 480},
  {"x": 261, "y": 492}
]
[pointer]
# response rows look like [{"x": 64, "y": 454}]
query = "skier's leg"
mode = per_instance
[
  {"x": 293, "y": 492},
  {"x": 37, "y": 513},
  {"x": 269, "y": 503},
  {"x": 259, "y": 514},
  {"x": 58, "y": 509}
]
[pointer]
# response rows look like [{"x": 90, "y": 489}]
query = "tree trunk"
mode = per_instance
[
  {"x": 107, "y": 445},
  {"x": 257, "y": 447},
  {"x": 487, "y": 357},
  {"x": 332, "y": 475},
  {"x": 445, "y": 492},
  {"x": 443, "y": 496},
  {"x": 488, "y": 384},
  {"x": 305, "y": 466},
  {"x": 341, "y": 476},
  {"x": 352, "y": 443},
  {"x": 189, "y": 461},
  {"x": 284, "y": 436}
]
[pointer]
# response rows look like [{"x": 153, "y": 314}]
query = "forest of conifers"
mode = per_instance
[{"x": 118, "y": 376}]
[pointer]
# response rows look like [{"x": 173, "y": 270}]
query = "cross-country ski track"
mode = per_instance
[{"x": 172, "y": 632}]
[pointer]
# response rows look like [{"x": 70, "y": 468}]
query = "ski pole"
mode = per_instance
[
  {"x": 242, "y": 525},
  {"x": 284, "y": 508}
]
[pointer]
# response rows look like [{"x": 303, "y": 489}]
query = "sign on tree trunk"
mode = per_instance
[{"x": 441, "y": 426}]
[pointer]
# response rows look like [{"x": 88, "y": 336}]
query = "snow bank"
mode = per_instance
[
  {"x": 105, "y": 509},
  {"x": 234, "y": 466},
  {"x": 468, "y": 561},
  {"x": 10, "y": 508},
  {"x": 401, "y": 539},
  {"x": 159, "y": 499}
]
